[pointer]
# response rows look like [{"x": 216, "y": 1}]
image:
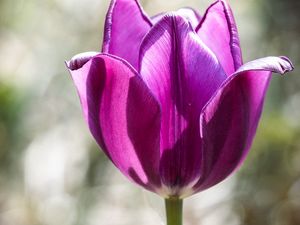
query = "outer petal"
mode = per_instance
[
  {"x": 122, "y": 115},
  {"x": 228, "y": 122},
  {"x": 188, "y": 13},
  {"x": 218, "y": 31},
  {"x": 125, "y": 26},
  {"x": 182, "y": 73}
]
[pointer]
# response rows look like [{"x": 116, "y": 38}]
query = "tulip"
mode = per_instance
[{"x": 169, "y": 99}]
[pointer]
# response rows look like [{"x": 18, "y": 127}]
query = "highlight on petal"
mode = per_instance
[
  {"x": 182, "y": 73},
  {"x": 191, "y": 15},
  {"x": 188, "y": 13},
  {"x": 118, "y": 108},
  {"x": 125, "y": 26},
  {"x": 80, "y": 59},
  {"x": 219, "y": 32},
  {"x": 274, "y": 64},
  {"x": 228, "y": 122}
]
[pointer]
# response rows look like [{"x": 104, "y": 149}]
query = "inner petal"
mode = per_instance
[{"x": 182, "y": 74}]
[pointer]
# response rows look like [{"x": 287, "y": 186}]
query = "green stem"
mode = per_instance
[{"x": 173, "y": 211}]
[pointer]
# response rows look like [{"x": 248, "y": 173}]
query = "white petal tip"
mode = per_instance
[
  {"x": 286, "y": 65},
  {"x": 80, "y": 59}
]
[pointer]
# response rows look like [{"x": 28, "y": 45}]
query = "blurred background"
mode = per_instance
[{"x": 52, "y": 172}]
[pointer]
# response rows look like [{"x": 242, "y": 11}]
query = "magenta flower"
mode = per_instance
[{"x": 169, "y": 99}]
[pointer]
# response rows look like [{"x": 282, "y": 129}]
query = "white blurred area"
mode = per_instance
[{"x": 51, "y": 188}]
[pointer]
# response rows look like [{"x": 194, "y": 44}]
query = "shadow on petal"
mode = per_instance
[
  {"x": 94, "y": 91},
  {"x": 181, "y": 165},
  {"x": 143, "y": 125}
]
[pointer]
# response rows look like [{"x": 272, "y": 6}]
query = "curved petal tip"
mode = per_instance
[
  {"x": 273, "y": 64},
  {"x": 286, "y": 65},
  {"x": 80, "y": 59}
]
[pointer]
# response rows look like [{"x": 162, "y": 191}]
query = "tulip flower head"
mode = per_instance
[{"x": 169, "y": 99}]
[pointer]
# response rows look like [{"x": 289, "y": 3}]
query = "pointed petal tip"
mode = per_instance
[
  {"x": 77, "y": 61},
  {"x": 218, "y": 30},
  {"x": 122, "y": 42}
]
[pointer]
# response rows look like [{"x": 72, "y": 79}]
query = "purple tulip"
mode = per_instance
[{"x": 169, "y": 99}]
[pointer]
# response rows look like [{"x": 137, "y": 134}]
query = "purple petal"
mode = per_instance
[
  {"x": 188, "y": 13},
  {"x": 228, "y": 122},
  {"x": 125, "y": 26},
  {"x": 218, "y": 31},
  {"x": 183, "y": 74},
  {"x": 122, "y": 115}
]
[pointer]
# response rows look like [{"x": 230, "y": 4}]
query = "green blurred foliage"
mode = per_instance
[
  {"x": 268, "y": 184},
  {"x": 267, "y": 179},
  {"x": 10, "y": 129}
]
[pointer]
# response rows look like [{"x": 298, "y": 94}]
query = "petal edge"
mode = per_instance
[
  {"x": 112, "y": 95},
  {"x": 219, "y": 32},
  {"x": 125, "y": 26},
  {"x": 229, "y": 121}
]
